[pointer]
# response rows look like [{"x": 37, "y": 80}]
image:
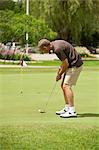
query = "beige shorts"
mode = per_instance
[{"x": 71, "y": 76}]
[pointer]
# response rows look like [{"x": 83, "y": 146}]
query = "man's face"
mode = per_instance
[{"x": 45, "y": 49}]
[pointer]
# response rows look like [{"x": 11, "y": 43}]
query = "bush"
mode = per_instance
[
  {"x": 83, "y": 51},
  {"x": 84, "y": 55},
  {"x": 26, "y": 58},
  {"x": 11, "y": 55}
]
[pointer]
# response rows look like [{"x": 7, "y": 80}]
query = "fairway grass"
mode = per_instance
[
  {"x": 90, "y": 63},
  {"x": 22, "y": 127}
]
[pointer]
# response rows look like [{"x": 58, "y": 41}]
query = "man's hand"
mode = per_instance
[
  {"x": 62, "y": 69},
  {"x": 58, "y": 77}
]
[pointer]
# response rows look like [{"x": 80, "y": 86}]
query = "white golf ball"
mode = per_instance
[{"x": 39, "y": 110}]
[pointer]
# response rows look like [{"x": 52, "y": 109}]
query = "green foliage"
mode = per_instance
[
  {"x": 7, "y": 4},
  {"x": 16, "y": 26},
  {"x": 84, "y": 55},
  {"x": 5, "y": 26},
  {"x": 19, "y": 7},
  {"x": 74, "y": 20},
  {"x": 26, "y": 58}
]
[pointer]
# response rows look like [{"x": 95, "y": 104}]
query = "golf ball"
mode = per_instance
[{"x": 39, "y": 110}]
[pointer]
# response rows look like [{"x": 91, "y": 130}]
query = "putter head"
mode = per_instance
[{"x": 41, "y": 111}]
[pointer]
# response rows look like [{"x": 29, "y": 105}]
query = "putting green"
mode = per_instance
[{"x": 24, "y": 91}]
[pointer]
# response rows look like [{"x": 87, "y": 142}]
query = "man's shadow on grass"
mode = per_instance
[{"x": 88, "y": 115}]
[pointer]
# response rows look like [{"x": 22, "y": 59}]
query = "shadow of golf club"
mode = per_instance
[{"x": 88, "y": 115}]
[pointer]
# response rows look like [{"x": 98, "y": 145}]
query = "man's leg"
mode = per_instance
[
  {"x": 69, "y": 79},
  {"x": 66, "y": 107},
  {"x": 68, "y": 95},
  {"x": 69, "y": 99},
  {"x": 65, "y": 96}
]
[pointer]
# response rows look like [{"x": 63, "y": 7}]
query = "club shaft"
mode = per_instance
[{"x": 50, "y": 96}]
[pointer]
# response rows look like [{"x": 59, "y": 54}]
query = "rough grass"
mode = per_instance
[{"x": 49, "y": 136}]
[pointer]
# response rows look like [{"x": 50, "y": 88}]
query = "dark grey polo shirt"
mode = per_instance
[{"x": 65, "y": 50}]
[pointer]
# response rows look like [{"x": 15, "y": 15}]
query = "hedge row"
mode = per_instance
[{"x": 15, "y": 57}]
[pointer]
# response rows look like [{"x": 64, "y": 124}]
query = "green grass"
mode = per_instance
[
  {"x": 89, "y": 63},
  {"x": 22, "y": 127}
]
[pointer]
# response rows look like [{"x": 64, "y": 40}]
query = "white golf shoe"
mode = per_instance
[
  {"x": 68, "y": 114},
  {"x": 61, "y": 111}
]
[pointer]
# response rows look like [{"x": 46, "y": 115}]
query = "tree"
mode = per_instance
[
  {"x": 76, "y": 21},
  {"x": 73, "y": 20},
  {"x": 35, "y": 28},
  {"x": 7, "y": 4},
  {"x": 17, "y": 25},
  {"x": 5, "y": 26},
  {"x": 16, "y": 6},
  {"x": 19, "y": 7}
]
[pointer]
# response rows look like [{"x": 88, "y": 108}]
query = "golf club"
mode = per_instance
[{"x": 44, "y": 110}]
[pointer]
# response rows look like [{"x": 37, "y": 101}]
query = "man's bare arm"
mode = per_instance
[{"x": 63, "y": 67}]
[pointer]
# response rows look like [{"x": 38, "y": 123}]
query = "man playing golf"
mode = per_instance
[{"x": 71, "y": 66}]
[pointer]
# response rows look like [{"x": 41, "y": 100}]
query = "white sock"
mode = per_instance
[
  {"x": 66, "y": 107},
  {"x": 72, "y": 109}
]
